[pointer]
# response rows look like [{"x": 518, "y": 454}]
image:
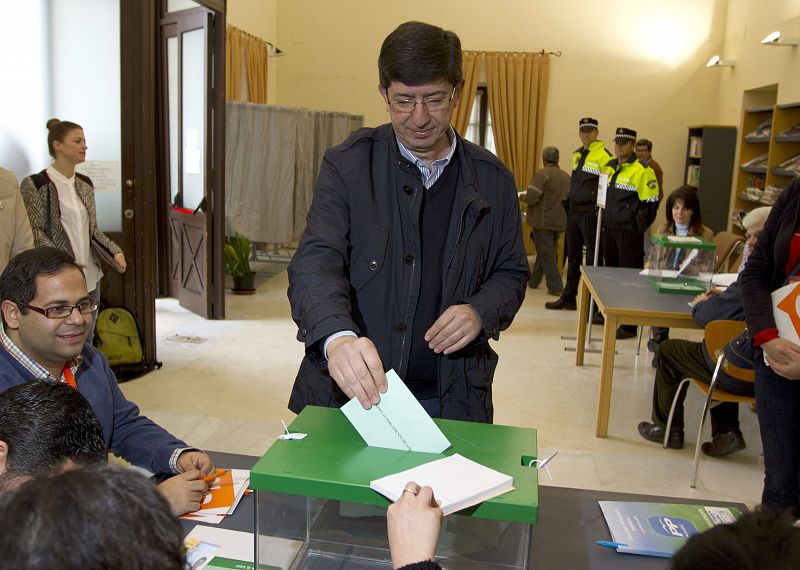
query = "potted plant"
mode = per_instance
[{"x": 237, "y": 258}]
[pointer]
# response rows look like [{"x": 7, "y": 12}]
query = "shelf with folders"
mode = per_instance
[
  {"x": 784, "y": 155},
  {"x": 755, "y": 143}
]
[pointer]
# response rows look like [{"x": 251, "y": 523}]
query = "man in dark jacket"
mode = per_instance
[
  {"x": 412, "y": 256},
  {"x": 548, "y": 219}
]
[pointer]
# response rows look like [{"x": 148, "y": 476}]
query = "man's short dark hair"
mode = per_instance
[
  {"x": 417, "y": 53},
  {"x": 18, "y": 280},
  {"x": 645, "y": 142},
  {"x": 766, "y": 538},
  {"x": 90, "y": 517},
  {"x": 44, "y": 424}
]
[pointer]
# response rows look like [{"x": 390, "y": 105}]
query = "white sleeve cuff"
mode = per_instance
[{"x": 335, "y": 336}]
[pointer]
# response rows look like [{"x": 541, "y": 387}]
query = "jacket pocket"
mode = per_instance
[
  {"x": 479, "y": 368},
  {"x": 369, "y": 258}
]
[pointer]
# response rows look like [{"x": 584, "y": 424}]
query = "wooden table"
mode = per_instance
[{"x": 625, "y": 298}]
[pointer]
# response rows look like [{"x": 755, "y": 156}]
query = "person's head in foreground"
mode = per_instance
[
  {"x": 420, "y": 74},
  {"x": 92, "y": 518},
  {"x": 762, "y": 540},
  {"x": 45, "y": 426},
  {"x": 46, "y": 307}
]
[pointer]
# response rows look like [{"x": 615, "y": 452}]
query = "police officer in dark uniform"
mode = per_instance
[{"x": 588, "y": 162}]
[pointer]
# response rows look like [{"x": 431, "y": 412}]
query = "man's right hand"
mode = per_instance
[
  {"x": 184, "y": 492},
  {"x": 356, "y": 367}
]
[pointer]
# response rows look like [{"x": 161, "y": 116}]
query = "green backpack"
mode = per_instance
[{"x": 117, "y": 336}]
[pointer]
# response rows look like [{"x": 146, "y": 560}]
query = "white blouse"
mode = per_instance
[{"x": 75, "y": 220}]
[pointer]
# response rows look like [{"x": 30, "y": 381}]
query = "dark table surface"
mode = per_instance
[
  {"x": 623, "y": 288},
  {"x": 570, "y": 521}
]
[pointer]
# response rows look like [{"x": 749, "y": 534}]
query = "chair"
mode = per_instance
[
  {"x": 727, "y": 243},
  {"x": 717, "y": 335}
]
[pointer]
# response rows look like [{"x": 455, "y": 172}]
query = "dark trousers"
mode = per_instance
[
  {"x": 581, "y": 230},
  {"x": 546, "y": 265},
  {"x": 779, "y": 419},
  {"x": 622, "y": 248},
  {"x": 678, "y": 359}
]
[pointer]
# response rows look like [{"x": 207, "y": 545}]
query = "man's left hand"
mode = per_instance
[
  {"x": 454, "y": 329},
  {"x": 189, "y": 460}
]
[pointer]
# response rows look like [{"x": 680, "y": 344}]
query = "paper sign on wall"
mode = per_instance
[{"x": 105, "y": 174}]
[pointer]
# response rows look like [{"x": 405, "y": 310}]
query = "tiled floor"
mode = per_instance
[{"x": 229, "y": 393}]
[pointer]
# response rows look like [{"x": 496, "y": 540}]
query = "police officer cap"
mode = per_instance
[
  {"x": 588, "y": 124},
  {"x": 625, "y": 135}
]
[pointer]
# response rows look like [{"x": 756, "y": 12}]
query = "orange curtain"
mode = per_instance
[
  {"x": 233, "y": 64},
  {"x": 242, "y": 46},
  {"x": 517, "y": 87},
  {"x": 472, "y": 71}
]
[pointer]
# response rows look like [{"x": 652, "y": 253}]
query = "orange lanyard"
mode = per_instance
[{"x": 69, "y": 377}]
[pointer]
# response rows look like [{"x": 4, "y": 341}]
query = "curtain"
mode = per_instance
[
  {"x": 472, "y": 70},
  {"x": 517, "y": 87},
  {"x": 243, "y": 48},
  {"x": 272, "y": 159}
]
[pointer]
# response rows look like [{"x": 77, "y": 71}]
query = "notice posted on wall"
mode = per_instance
[{"x": 106, "y": 175}]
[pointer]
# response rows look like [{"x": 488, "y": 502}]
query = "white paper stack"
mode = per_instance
[
  {"x": 457, "y": 482},
  {"x": 224, "y": 495}
]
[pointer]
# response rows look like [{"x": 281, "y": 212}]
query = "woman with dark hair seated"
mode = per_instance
[{"x": 683, "y": 219}]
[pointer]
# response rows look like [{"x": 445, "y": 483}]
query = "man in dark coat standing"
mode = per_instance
[{"x": 412, "y": 256}]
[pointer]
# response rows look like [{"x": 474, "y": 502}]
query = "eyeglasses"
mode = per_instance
[
  {"x": 434, "y": 104},
  {"x": 86, "y": 307}
]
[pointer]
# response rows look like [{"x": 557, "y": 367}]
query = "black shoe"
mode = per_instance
[
  {"x": 598, "y": 319},
  {"x": 652, "y": 432},
  {"x": 724, "y": 444},
  {"x": 653, "y": 344},
  {"x": 624, "y": 332},
  {"x": 532, "y": 285},
  {"x": 561, "y": 304}
]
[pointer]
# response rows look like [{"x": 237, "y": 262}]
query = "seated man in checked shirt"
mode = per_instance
[{"x": 46, "y": 315}]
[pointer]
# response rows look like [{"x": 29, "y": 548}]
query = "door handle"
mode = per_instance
[{"x": 128, "y": 214}]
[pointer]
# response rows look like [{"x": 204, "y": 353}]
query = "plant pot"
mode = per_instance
[{"x": 244, "y": 284}]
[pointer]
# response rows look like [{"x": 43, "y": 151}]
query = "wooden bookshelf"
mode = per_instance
[{"x": 709, "y": 168}]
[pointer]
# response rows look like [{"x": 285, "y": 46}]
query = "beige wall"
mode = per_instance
[
  {"x": 259, "y": 18},
  {"x": 626, "y": 64}
]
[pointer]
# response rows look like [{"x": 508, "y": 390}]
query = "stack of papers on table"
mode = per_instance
[
  {"x": 457, "y": 482},
  {"x": 224, "y": 493}
]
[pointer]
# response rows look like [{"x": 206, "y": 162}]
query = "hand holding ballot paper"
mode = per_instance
[
  {"x": 399, "y": 422},
  {"x": 783, "y": 353}
]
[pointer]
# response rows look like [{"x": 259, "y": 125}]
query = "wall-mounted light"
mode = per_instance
[
  {"x": 274, "y": 51},
  {"x": 775, "y": 39},
  {"x": 715, "y": 61}
]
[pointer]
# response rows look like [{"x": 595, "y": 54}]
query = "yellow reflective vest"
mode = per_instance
[
  {"x": 632, "y": 197},
  {"x": 587, "y": 164}
]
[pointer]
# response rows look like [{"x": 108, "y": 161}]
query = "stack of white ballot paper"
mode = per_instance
[
  {"x": 457, "y": 482},
  {"x": 398, "y": 421}
]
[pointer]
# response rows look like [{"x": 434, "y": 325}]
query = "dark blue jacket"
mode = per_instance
[
  {"x": 128, "y": 434},
  {"x": 357, "y": 266}
]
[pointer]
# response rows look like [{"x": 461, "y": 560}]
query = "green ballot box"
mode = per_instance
[
  {"x": 315, "y": 508},
  {"x": 681, "y": 264}
]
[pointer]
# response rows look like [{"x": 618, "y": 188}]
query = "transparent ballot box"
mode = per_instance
[
  {"x": 681, "y": 264},
  {"x": 315, "y": 509}
]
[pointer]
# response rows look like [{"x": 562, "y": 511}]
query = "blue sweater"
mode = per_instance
[{"x": 127, "y": 433}]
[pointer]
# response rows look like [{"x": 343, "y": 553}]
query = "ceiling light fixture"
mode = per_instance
[
  {"x": 715, "y": 61},
  {"x": 775, "y": 39}
]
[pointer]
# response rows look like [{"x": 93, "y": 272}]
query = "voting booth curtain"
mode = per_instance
[{"x": 272, "y": 159}]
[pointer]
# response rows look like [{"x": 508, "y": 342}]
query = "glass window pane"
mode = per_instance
[
  {"x": 176, "y": 5},
  {"x": 193, "y": 97},
  {"x": 172, "y": 102}
]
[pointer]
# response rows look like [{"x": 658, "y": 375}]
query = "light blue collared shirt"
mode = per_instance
[{"x": 432, "y": 174}]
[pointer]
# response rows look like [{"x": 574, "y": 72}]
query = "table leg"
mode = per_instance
[
  {"x": 606, "y": 374},
  {"x": 583, "y": 316}
]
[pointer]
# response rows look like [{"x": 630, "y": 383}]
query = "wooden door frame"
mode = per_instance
[{"x": 215, "y": 152}]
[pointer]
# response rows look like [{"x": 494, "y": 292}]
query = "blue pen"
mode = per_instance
[{"x": 609, "y": 544}]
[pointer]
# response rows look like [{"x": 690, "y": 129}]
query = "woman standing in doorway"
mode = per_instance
[{"x": 61, "y": 208}]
